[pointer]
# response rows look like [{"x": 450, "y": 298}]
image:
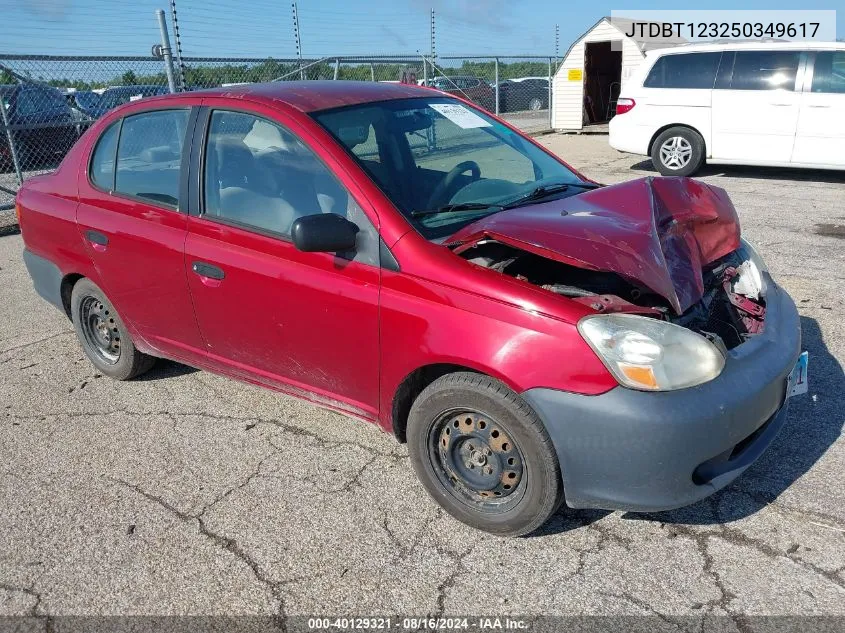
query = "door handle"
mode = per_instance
[
  {"x": 98, "y": 240},
  {"x": 812, "y": 105},
  {"x": 210, "y": 271},
  {"x": 780, "y": 105}
]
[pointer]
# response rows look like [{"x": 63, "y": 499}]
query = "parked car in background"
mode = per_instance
[
  {"x": 113, "y": 97},
  {"x": 41, "y": 123},
  {"x": 758, "y": 103},
  {"x": 526, "y": 93},
  {"x": 468, "y": 87},
  {"x": 84, "y": 105},
  {"x": 537, "y": 338},
  {"x": 85, "y": 102}
]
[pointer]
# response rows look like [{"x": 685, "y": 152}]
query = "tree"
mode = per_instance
[
  {"x": 6, "y": 77},
  {"x": 129, "y": 78}
]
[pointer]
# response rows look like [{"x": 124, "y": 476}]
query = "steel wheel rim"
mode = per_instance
[
  {"x": 100, "y": 329},
  {"x": 676, "y": 152},
  {"x": 477, "y": 461},
  {"x": 534, "y": 104}
]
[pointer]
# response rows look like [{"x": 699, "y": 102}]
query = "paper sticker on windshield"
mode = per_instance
[
  {"x": 460, "y": 115},
  {"x": 136, "y": 97}
]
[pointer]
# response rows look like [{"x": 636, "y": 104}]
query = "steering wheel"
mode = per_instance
[{"x": 449, "y": 180}]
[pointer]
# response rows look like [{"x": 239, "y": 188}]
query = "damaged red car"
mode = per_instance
[{"x": 396, "y": 254}]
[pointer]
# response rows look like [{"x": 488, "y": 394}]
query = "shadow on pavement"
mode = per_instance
[
  {"x": 164, "y": 369},
  {"x": 815, "y": 422},
  {"x": 759, "y": 173}
]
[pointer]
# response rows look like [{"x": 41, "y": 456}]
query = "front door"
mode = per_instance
[
  {"x": 755, "y": 106},
  {"x": 821, "y": 125},
  {"x": 303, "y": 322}
]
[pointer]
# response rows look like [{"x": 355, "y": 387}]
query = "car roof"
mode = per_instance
[
  {"x": 735, "y": 45},
  {"x": 310, "y": 96}
]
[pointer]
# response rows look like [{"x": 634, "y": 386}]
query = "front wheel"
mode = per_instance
[
  {"x": 483, "y": 454},
  {"x": 678, "y": 151},
  {"x": 535, "y": 104}
]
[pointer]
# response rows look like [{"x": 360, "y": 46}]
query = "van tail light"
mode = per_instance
[{"x": 625, "y": 105}]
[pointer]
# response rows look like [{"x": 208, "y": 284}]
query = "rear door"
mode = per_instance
[
  {"x": 821, "y": 124},
  {"x": 132, "y": 222},
  {"x": 755, "y": 106},
  {"x": 306, "y": 323}
]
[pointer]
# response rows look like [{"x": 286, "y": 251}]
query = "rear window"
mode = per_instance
[
  {"x": 33, "y": 101},
  {"x": 765, "y": 70},
  {"x": 686, "y": 71}
]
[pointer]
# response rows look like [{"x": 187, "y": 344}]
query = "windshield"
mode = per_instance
[{"x": 444, "y": 164}]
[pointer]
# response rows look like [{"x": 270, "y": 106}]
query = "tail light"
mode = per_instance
[{"x": 625, "y": 105}]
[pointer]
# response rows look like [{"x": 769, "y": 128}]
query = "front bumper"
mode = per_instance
[{"x": 641, "y": 451}]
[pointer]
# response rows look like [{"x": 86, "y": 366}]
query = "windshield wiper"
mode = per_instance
[
  {"x": 459, "y": 207},
  {"x": 544, "y": 191}
]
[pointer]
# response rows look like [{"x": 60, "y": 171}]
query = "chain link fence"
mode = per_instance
[{"x": 49, "y": 101}]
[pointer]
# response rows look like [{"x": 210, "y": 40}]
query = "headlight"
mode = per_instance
[
  {"x": 651, "y": 355},
  {"x": 750, "y": 253},
  {"x": 751, "y": 282}
]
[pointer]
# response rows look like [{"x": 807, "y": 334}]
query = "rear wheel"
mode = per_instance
[
  {"x": 103, "y": 335},
  {"x": 678, "y": 151},
  {"x": 483, "y": 454},
  {"x": 535, "y": 104}
]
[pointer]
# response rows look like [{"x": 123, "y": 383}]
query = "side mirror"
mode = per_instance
[{"x": 323, "y": 233}]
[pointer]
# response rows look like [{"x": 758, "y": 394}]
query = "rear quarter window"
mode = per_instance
[
  {"x": 684, "y": 71},
  {"x": 101, "y": 170}
]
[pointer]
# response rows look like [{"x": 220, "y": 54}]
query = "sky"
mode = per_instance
[{"x": 264, "y": 28}]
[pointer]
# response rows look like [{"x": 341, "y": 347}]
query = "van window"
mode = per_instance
[
  {"x": 829, "y": 72},
  {"x": 689, "y": 70},
  {"x": 765, "y": 70}
]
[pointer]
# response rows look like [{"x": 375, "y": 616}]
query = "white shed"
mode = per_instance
[{"x": 594, "y": 69}]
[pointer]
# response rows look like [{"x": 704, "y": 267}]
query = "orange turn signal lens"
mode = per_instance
[{"x": 640, "y": 375}]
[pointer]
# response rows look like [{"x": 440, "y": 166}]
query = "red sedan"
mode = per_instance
[{"x": 396, "y": 254}]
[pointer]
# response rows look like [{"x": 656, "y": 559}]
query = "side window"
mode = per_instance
[
  {"x": 765, "y": 70},
  {"x": 688, "y": 71},
  {"x": 829, "y": 72},
  {"x": 101, "y": 170},
  {"x": 149, "y": 156},
  {"x": 259, "y": 175}
]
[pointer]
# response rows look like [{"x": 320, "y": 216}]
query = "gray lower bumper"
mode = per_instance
[
  {"x": 633, "y": 450},
  {"x": 46, "y": 277}
]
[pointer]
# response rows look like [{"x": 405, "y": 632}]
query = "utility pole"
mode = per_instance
[
  {"x": 557, "y": 41},
  {"x": 432, "y": 52},
  {"x": 297, "y": 40}
]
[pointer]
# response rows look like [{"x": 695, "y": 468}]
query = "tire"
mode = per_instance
[
  {"x": 463, "y": 424},
  {"x": 682, "y": 148},
  {"x": 103, "y": 335},
  {"x": 535, "y": 104}
]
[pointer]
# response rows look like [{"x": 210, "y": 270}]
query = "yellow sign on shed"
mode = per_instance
[{"x": 575, "y": 74}]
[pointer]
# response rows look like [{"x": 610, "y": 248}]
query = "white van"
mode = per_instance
[{"x": 760, "y": 103}]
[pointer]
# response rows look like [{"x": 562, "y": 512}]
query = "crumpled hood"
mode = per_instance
[{"x": 658, "y": 232}]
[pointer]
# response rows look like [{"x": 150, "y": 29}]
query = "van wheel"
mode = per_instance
[
  {"x": 678, "y": 151},
  {"x": 103, "y": 335},
  {"x": 483, "y": 454}
]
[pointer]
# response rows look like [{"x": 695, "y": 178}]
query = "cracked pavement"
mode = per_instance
[{"x": 183, "y": 492}]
